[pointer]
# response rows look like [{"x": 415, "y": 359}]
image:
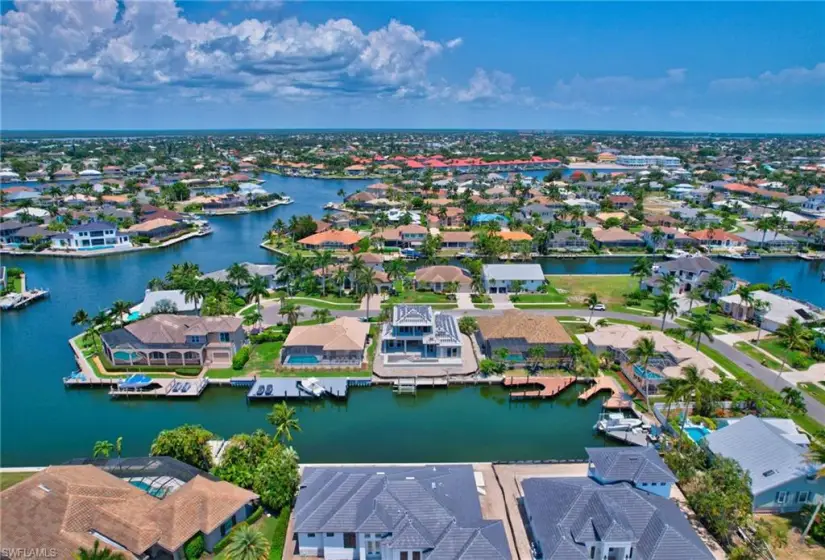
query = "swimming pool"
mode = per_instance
[
  {"x": 303, "y": 360},
  {"x": 697, "y": 433},
  {"x": 640, "y": 371},
  {"x": 148, "y": 488}
]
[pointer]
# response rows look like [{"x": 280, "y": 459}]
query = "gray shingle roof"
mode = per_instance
[
  {"x": 567, "y": 512},
  {"x": 762, "y": 450},
  {"x": 689, "y": 264},
  {"x": 432, "y": 508},
  {"x": 637, "y": 465},
  {"x": 524, "y": 272}
]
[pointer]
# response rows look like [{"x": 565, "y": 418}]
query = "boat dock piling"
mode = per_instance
[
  {"x": 293, "y": 388},
  {"x": 18, "y": 301},
  {"x": 545, "y": 387},
  {"x": 618, "y": 399}
]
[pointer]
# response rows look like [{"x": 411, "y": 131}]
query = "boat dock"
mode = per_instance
[
  {"x": 18, "y": 301},
  {"x": 265, "y": 388},
  {"x": 543, "y": 387},
  {"x": 171, "y": 388},
  {"x": 629, "y": 437},
  {"x": 618, "y": 399}
]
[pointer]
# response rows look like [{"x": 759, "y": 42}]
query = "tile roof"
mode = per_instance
[
  {"x": 166, "y": 330},
  {"x": 762, "y": 450},
  {"x": 442, "y": 273},
  {"x": 344, "y": 333},
  {"x": 614, "y": 234},
  {"x": 412, "y": 315},
  {"x": 515, "y": 324},
  {"x": 434, "y": 508},
  {"x": 343, "y": 237},
  {"x": 715, "y": 235},
  {"x": 629, "y": 464},
  {"x": 568, "y": 513}
]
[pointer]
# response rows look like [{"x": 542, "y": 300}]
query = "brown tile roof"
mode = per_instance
[
  {"x": 514, "y": 235},
  {"x": 442, "y": 273},
  {"x": 534, "y": 329},
  {"x": 58, "y": 507},
  {"x": 344, "y": 333},
  {"x": 150, "y": 225},
  {"x": 614, "y": 234},
  {"x": 715, "y": 235},
  {"x": 456, "y": 236},
  {"x": 173, "y": 329},
  {"x": 344, "y": 237},
  {"x": 395, "y": 234}
]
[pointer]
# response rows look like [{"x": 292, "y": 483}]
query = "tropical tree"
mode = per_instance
[
  {"x": 188, "y": 443},
  {"x": 119, "y": 446},
  {"x": 794, "y": 336},
  {"x": 693, "y": 296},
  {"x": 672, "y": 390},
  {"x": 760, "y": 307},
  {"x": 793, "y": 397},
  {"x": 339, "y": 278},
  {"x": 467, "y": 325},
  {"x": 121, "y": 308},
  {"x": 194, "y": 291},
  {"x": 80, "y": 318},
  {"x": 247, "y": 543},
  {"x": 536, "y": 356},
  {"x": 700, "y": 325},
  {"x": 713, "y": 286},
  {"x": 643, "y": 350},
  {"x": 517, "y": 286},
  {"x": 781, "y": 286},
  {"x": 323, "y": 260},
  {"x": 238, "y": 275},
  {"x": 745, "y": 293},
  {"x": 641, "y": 269},
  {"x": 573, "y": 352},
  {"x": 665, "y": 304},
  {"x": 395, "y": 269},
  {"x": 592, "y": 301},
  {"x": 321, "y": 315},
  {"x": 367, "y": 285},
  {"x": 292, "y": 312},
  {"x": 102, "y": 448},
  {"x": 257, "y": 289},
  {"x": 97, "y": 553},
  {"x": 253, "y": 318},
  {"x": 764, "y": 224},
  {"x": 283, "y": 419},
  {"x": 667, "y": 283},
  {"x": 693, "y": 385}
]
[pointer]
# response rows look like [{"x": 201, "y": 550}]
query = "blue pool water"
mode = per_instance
[
  {"x": 133, "y": 316},
  {"x": 302, "y": 360},
  {"x": 697, "y": 433},
  {"x": 156, "y": 492},
  {"x": 640, "y": 371}
]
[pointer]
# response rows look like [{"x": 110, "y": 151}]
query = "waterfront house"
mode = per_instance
[
  {"x": 640, "y": 466},
  {"x": 696, "y": 217},
  {"x": 156, "y": 228},
  {"x": 166, "y": 298},
  {"x": 579, "y": 517},
  {"x": 394, "y": 513},
  {"x": 92, "y": 236},
  {"x": 355, "y": 170},
  {"x": 616, "y": 237},
  {"x": 690, "y": 272},
  {"x": 669, "y": 236},
  {"x": 457, "y": 240},
  {"x": 780, "y": 310},
  {"x": 671, "y": 356},
  {"x": 435, "y": 278},
  {"x": 519, "y": 332},
  {"x": 786, "y": 427},
  {"x": 718, "y": 239},
  {"x": 773, "y": 241},
  {"x": 417, "y": 335},
  {"x": 138, "y": 508},
  {"x": 543, "y": 212},
  {"x": 783, "y": 476},
  {"x": 453, "y": 218},
  {"x": 331, "y": 239},
  {"x": 402, "y": 236},
  {"x": 336, "y": 344},
  {"x": 8, "y": 229},
  {"x": 499, "y": 278},
  {"x": 481, "y": 219},
  {"x": 269, "y": 272},
  {"x": 621, "y": 201},
  {"x": 360, "y": 199},
  {"x": 661, "y": 220},
  {"x": 566, "y": 240},
  {"x": 173, "y": 340}
]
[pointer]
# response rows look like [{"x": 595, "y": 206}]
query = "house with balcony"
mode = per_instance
[
  {"x": 690, "y": 272},
  {"x": 566, "y": 240},
  {"x": 642, "y": 467},
  {"x": 92, "y": 236},
  {"x": 332, "y": 239},
  {"x": 411, "y": 235},
  {"x": 666, "y": 237},
  {"x": 417, "y": 335},
  {"x": 780, "y": 309},
  {"x": 716, "y": 239},
  {"x": 395, "y": 513},
  {"x": 175, "y": 340},
  {"x": 340, "y": 343},
  {"x": 499, "y": 278}
]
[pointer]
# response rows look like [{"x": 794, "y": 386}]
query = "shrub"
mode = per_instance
[
  {"x": 224, "y": 542},
  {"x": 818, "y": 528},
  {"x": 279, "y": 534},
  {"x": 268, "y": 335},
  {"x": 194, "y": 547},
  {"x": 240, "y": 358},
  {"x": 255, "y": 515}
]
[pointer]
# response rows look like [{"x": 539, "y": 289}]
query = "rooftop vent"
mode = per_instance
[
  {"x": 769, "y": 473},
  {"x": 44, "y": 487}
]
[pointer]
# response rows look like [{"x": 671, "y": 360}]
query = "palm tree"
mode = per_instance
[
  {"x": 641, "y": 269},
  {"x": 254, "y": 318},
  {"x": 672, "y": 390},
  {"x": 238, "y": 275},
  {"x": 257, "y": 289},
  {"x": 745, "y": 293},
  {"x": 693, "y": 296},
  {"x": 693, "y": 384},
  {"x": 292, "y": 313},
  {"x": 97, "y": 553},
  {"x": 194, "y": 291},
  {"x": 700, "y": 325},
  {"x": 247, "y": 543},
  {"x": 283, "y": 419},
  {"x": 713, "y": 286},
  {"x": 322, "y": 315},
  {"x": 667, "y": 283},
  {"x": 339, "y": 277},
  {"x": 102, "y": 448},
  {"x": 357, "y": 266},
  {"x": 119, "y": 446},
  {"x": 119, "y": 309},
  {"x": 367, "y": 285},
  {"x": 760, "y": 307},
  {"x": 592, "y": 301},
  {"x": 665, "y": 304},
  {"x": 794, "y": 336},
  {"x": 395, "y": 269},
  {"x": 322, "y": 260},
  {"x": 793, "y": 397},
  {"x": 572, "y": 352},
  {"x": 80, "y": 318},
  {"x": 764, "y": 224},
  {"x": 643, "y": 350},
  {"x": 536, "y": 355},
  {"x": 781, "y": 286}
]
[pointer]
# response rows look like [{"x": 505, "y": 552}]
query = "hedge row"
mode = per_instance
[
  {"x": 240, "y": 358},
  {"x": 224, "y": 542},
  {"x": 276, "y": 552}
]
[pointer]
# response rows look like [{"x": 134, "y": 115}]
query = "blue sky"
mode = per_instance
[{"x": 124, "y": 64}]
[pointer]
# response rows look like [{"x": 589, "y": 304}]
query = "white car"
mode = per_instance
[{"x": 598, "y": 307}]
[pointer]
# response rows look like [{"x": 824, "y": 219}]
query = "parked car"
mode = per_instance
[{"x": 598, "y": 307}]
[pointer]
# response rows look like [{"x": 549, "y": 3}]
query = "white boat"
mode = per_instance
[
  {"x": 746, "y": 256},
  {"x": 811, "y": 256},
  {"x": 677, "y": 254},
  {"x": 11, "y": 301},
  {"x": 616, "y": 422},
  {"x": 311, "y": 385}
]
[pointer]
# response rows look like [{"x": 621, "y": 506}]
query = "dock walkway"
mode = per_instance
[
  {"x": 545, "y": 387},
  {"x": 290, "y": 388},
  {"x": 618, "y": 398}
]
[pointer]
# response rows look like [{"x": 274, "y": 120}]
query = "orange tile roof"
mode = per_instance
[
  {"x": 342, "y": 237},
  {"x": 715, "y": 235},
  {"x": 514, "y": 235}
]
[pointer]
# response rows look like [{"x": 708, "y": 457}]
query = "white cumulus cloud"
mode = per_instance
[{"x": 786, "y": 77}]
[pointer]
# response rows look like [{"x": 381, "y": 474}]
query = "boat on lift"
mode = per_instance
[{"x": 617, "y": 422}]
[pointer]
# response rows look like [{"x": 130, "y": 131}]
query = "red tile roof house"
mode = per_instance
[
  {"x": 621, "y": 201},
  {"x": 360, "y": 199},
  {"x": 616, "y": 237},
  {"x": 457, "y": 240},
  {"x": 669, "y": 235},
  {"x": 718, "y": 238},
  {"x": 355, "y": 170},
  {"x": 454, "y": 218},
  {"x": 402, "y": 236},
  {"x": 331, "y": 239}
]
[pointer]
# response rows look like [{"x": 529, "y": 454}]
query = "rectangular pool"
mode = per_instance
[{"x": 303, "y": 360}]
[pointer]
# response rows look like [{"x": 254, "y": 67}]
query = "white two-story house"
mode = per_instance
[
  {"x": 92, "y": 236},
  {"x": 417, "y": 335}
]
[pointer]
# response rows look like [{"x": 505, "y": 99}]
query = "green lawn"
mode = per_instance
[
  {"x": 720, "y": 321},
  {"x": 610, "y": 289},
  {"x": 539, "y": 306},
  {"x": 320, "y": 304},
  {"x": 413, "y": 296},
  {"x": 484, "y": 305},
  {"x": 794, "y": 358},
  {"x": 550, "y": 297},
  {"x": 815, "y": 390},
  {"x": 8, "y": 479},
  {"x": 747, "y": 348}
]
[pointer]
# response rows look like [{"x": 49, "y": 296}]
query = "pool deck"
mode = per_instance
[
  {"x": 544, "y": 387},
  {"x": 618, "y": 399},
  {"x": 288, "y": 388}
]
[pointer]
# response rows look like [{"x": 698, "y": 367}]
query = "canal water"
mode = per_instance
[{"x": 42, "y": 423}]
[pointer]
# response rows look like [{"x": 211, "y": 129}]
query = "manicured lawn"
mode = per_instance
[
  {"x": 766, "y": 361},
  {"x": 480, "y": 298},
  {"x": 551, "y": 297},
  {"x": 320, "y": 304},
  {"x": 540, "y": 306},
  {"x": 8, "y": 479},
  {"x": 793, "y": 358},
  {"x": 720, "y": 322},
  {"x": 815, "y": 390},
  {"x": 610, "y": 289},
  {"x": 484, "y": 305},
  {"x": 413, "y": 296}
]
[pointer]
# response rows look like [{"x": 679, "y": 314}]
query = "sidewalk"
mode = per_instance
[{"x": 464, "y": 301}]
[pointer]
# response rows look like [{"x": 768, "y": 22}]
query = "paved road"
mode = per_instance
[{"x": 815, "y": 409}]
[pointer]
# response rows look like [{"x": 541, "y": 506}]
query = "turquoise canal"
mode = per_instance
[{"x": 42, "y": 423}]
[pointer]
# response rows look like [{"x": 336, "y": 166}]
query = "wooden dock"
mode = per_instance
[
  {"x": 618, "y": 399},
  {"x": 543, "y": 387},
  {"x": 166, "y": 388}
]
